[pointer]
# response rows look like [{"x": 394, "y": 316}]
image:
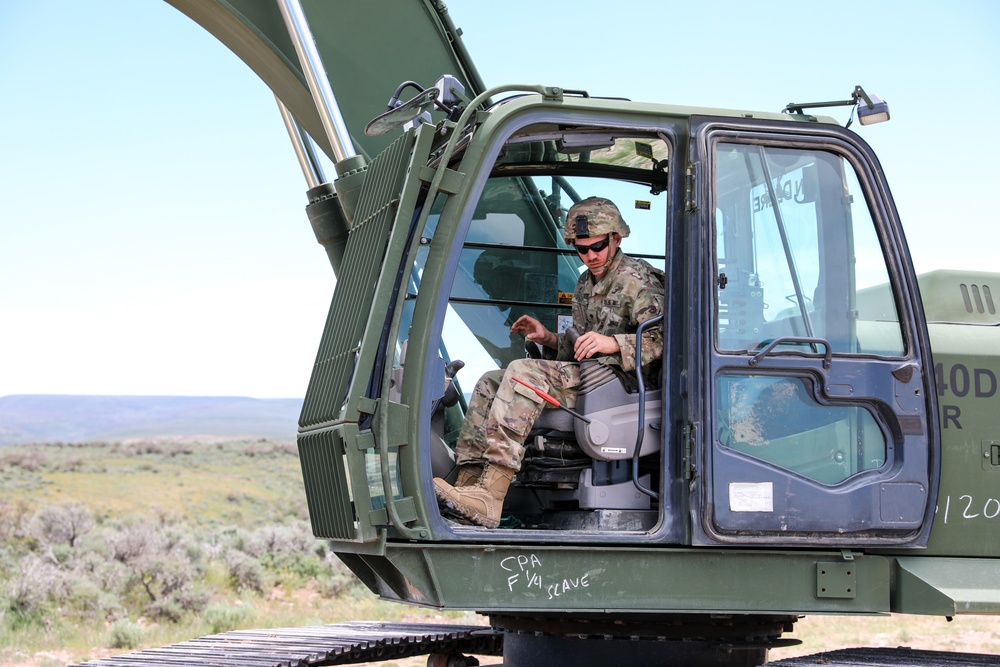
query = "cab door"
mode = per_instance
[{"x": 820, "y": 415}]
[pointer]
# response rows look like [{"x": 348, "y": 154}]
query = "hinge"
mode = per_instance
[
  {"x": 405, "y": 510},
  {"x": 398, "y": 422},
  {"x": 366, "y": 405},
  {"x": 991, "y": 455},
  {"x": 688, "y": 434},
  {"x": 451, "y": 180},
  {"x": 365, "y": 439},
  {"x": 690, "y": 194}
]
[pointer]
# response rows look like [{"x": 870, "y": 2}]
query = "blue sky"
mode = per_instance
[{"x": 152, "y": 234}]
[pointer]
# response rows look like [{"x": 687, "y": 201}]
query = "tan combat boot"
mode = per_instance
[
  {"x": 481, "y": 502},
  {"x": 469, "y": 474}
]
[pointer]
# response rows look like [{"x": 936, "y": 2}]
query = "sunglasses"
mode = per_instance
[{"x": 596, "y": 247}]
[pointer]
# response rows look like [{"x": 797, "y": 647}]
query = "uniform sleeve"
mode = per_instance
[{"x": 647, "y": 304}]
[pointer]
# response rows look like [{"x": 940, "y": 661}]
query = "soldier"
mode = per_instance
[{"x": 612, "y": 298}]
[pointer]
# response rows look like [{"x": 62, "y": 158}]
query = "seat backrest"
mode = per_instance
[{"x": 613, "y": 412}]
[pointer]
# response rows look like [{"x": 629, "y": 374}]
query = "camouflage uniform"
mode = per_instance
[
  {"x": 502, "y": 411},
  {"x": 630, "y": 293}
]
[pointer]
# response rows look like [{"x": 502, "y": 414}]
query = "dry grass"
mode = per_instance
[
  {"x": 965, "y": 634},
  {"x": 214, "y": 482}
]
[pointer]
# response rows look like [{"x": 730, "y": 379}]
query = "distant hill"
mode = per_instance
[{"x": 56, "y": 418}]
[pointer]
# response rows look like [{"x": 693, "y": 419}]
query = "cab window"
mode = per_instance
[{"x": 797, "y": 254}]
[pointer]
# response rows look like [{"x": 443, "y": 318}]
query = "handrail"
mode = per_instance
[{"x": 642, "y": 407}]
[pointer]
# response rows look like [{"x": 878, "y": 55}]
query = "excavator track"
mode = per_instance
[
  {"x": 361, "y": 641},
  {"x": 333, "y": 644},
  {"x": 889, "y": 657}
]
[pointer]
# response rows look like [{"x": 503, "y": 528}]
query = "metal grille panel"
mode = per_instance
[
  {"x": 363, "y": 261},
  {"x": 327, "y": 491}
]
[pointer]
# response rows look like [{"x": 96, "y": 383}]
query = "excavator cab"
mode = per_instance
[{"x": 782, "y": 305}]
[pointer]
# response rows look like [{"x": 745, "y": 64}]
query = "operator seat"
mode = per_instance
[{"x": 605, "y": 446}]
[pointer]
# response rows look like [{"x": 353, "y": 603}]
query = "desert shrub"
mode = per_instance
[
  {"x": 169, "y": 589},
  {"x": 134, "y": 542},
  {"x": 71, "y": 464},
  {"x": 288, "y": 551},
  {"x": 180, "y": 449},
  {"x": 88, "y": 603},
  {"x": 14, "y": 518},
  {"x": 165, "y": 609},
  {"x": 285, "y": 538},
  {"x": 124, "y": 634},
  {"x": 64, "y": 523},
  {"x": 293, "y": 569},
  {"x": 242, "y": 540},
  {"x": 30, "y": 460},
  {"x": 166, "y": 587},
  {"x": 193, "y": 551},
  {"x": 338, "y": 579},
  {"x": 177, "y": 538},
  {"x": 163, "y": 577},
  {"x": 46, "y": 588},
  {"x": 142, "y": 449},
  {"x": 160, "y": 573},
  {"x": 97, "y": 566},
  {"x": 258, "y": 450},
  {"x": 28, "y": 591},
  {"x": 245, "y": 572},
  {"x": 293, "y": 508},
  {"x": 59, "y": 554},
  {"x": 191, "y": 598},
  {"x": 222, "y": 617},
  {"x": 338, "y": 584}
]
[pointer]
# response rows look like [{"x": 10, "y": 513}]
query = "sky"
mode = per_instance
[{"x": 152, "y": 233}]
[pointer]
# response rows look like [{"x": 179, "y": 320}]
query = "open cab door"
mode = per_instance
[
  {"x": 821, "y": 416},
  {"x": 494, "y": 251}
]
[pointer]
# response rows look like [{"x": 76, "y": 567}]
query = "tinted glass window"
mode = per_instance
[{"x": 797, "y": 253}]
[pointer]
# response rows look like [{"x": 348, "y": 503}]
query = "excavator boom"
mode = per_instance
[{"x": 368, "y": 48}]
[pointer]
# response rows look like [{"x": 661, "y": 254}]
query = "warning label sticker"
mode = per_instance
[{"x": 751, "y": 497}]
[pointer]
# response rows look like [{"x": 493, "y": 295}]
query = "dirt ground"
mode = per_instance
[{"x": 969, "y": 634}]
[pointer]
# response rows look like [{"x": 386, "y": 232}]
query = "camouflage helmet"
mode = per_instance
[{"x": 594, "y": 216}]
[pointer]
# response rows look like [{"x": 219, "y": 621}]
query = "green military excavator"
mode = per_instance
[{"x": 821, "y": 435}]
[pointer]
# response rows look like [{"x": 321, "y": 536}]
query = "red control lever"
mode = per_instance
[{"x": 551, "y": 400}]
